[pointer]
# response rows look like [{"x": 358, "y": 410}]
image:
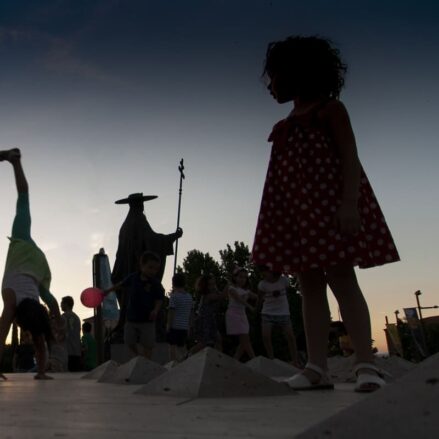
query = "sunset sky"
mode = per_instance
[{"x": 105, "y": 97}]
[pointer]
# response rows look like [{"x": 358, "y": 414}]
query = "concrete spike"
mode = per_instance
[
  {"x": 340, "y": 369},
  {"x": 211, "y": 374},
  {"x": 138, "y": 370},
  {"x": 395, "y": 366},
  {"x": 104, "y": 370},
  {"x": 406, "y": 408},
  {"x": 271, "y": 368}
]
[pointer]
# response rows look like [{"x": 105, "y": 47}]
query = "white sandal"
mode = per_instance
[
  {"x": 299, "y": 381},
  {"x": 368, "y": 382}
]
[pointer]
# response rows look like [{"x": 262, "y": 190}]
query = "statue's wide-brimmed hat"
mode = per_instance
[{"x": 136, "y": 198}]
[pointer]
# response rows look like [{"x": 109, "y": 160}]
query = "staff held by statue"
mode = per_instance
[{"x": 180, "y": 192}]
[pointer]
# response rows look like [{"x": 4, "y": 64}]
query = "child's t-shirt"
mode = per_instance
[
  {"x": 182, "y": 303},
  {"x": 275, "y": 296},
  {"x": 142, "y": 295},
  {"x": 90, "y": 351}
]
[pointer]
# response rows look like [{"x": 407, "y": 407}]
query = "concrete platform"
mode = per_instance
[{"x": 69, "y": 407}]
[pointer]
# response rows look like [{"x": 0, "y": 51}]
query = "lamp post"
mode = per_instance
[
  {"x": 396, "y": 316},
  {"x": 420, "y": 308},
  {"x": 417, "y": 294}
]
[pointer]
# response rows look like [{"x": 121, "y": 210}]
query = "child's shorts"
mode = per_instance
[
  {"x": 142, "y": 333},
  {"x": 177, "y": 337},
  {"x": 276, "y": 319}
]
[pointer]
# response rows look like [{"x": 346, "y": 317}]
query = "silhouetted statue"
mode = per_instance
[{"x": 135, "y": 237}]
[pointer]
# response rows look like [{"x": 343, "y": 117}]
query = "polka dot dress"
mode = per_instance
[{"x": 303, "y": 187}]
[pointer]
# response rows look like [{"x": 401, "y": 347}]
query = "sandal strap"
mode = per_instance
[
  {"x": 371, "y": 366},
  {"x": 365, "y": 380}
]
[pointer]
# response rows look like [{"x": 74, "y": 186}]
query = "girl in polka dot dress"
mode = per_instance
[{"x": 319, "y": 217}]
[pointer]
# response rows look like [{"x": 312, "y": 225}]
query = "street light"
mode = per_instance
[
  {"x": 396, "y": 316},
  {"x": 420, "y": 308}
]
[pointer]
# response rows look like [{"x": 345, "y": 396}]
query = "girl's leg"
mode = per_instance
[
  {"x": 219, "y": 342},
  {"x": 353, "y": 307},
  {"x": 266, "y": 338},
  {"x": 291, "y": 341},
  {"x": 244, "y": 341},
  {"x": 41, "y": 358},
  {"x": 20, "y": 178},
  {"x": 180, "y": 353},
  {"x": 172, "y": 352},
  {"x": 316, "y": 319},
  {"x": 239, "y": 352},
  {"x": 22, "y": 222}
]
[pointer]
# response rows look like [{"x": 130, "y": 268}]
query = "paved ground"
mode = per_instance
[{"x": 69, "y": 407}]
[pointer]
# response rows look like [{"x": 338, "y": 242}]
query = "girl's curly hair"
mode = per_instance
[{"x": 313, "y": 63}]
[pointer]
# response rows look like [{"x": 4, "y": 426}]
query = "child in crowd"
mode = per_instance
[
  {"x": 24, "y": 354},
  {"x": 89, "y": 348},
  {"x": 73, "y": 334},
  {"x": 236, "y": 317},
  {"x": 179, "y": 317},
  {"x": 276, "y": 311},
  {"x": 58, "y": 355},
  {"x": 319, "y": 217},
  {"x": 27, "y": 276},
  {"x": 145, "y": 298},
  {"x": 206, "y": 325}
]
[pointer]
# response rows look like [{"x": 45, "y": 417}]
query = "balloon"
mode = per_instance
[{"x": 92, "y": 297}]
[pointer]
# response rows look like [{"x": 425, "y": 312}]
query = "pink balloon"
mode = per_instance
[{"x": 92, "y": 297}]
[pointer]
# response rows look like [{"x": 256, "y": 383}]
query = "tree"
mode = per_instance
[
  {"x": 239, "y": 256},
  {"x": 197, "y": 263}
]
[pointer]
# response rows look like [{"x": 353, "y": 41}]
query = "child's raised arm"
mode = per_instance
[
  {"x": 115, "y": 287},
  {"x": 231, "y": 291}
]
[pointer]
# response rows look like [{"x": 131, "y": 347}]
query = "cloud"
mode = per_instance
[{"x": 58, "y": 48}]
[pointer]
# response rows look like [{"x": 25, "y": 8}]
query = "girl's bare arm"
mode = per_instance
[{"x": 339, "y": 124}]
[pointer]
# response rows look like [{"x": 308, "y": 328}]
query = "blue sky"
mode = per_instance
[{"x": 105, "y": 97}]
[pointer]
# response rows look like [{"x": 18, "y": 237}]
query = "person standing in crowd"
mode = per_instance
[
  {"x": 145, "y": 295},
  {"x": 179, "y": 317},
  {"x": 276, "y": 311},
  {"x": 236, "y": 318},
  {"x": 89, "y": 348},
  {"x": 73, "y": 334}
]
